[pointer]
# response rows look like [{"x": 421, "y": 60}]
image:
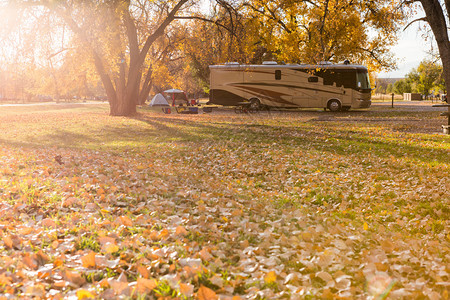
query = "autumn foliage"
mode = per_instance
[{"x": 222, "y": 206}]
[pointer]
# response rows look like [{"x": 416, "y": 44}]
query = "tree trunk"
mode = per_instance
[
  {"x": 125, "y": 106},
  {"x": 436, "y": 19},
  {"x": 146, "y": 86}
]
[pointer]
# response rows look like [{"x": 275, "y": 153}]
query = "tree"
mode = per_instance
[
  {"x": 330, "y": 30},
  {"x": 380, "y": 89},
  {"x": 224, "y": 35},
  {"x": 390, "y": 88},
  {"x": 425, "y": 77},
  {"x": 437, "y": 16},
  {"x": 117, "y": 35},
  {"x": 402, "y": 86}
]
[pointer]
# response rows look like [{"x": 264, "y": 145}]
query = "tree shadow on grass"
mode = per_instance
[
  {"x": 163, "y": 129},
  {"x": 360, "y": 144}
]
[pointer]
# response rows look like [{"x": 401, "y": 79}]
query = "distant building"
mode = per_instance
[{"x": 412, "y": 97}]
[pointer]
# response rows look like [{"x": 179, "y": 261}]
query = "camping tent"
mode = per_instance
[
  {"x": 159, "y": 100},
  {"x": 173, "y": 91},
  {"x": 176, "y": 97}
]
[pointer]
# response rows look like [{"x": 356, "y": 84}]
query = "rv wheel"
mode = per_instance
[
  {"x": 334, "y": 105},
  {"x": 255, "y": 104}
]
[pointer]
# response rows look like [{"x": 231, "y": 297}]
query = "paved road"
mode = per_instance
[
  {"x": 398, "y": 105},
  {"x": 408, "y": 105},
  {"x": 51, "y": 103}
]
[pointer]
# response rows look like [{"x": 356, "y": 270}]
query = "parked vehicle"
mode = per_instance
[{"x": 330, "y": 86}]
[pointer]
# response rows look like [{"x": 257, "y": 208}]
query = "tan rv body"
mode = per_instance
[{"x": 291, "y": 86}]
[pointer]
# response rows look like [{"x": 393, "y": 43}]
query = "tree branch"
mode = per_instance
[
  {"x": 271, "y": 16},
  {"x": 416, "y": 20},
  {"x": 205, "y": 20}
]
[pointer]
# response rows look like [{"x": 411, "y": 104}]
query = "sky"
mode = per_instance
[{"x": 411, "y": 49}]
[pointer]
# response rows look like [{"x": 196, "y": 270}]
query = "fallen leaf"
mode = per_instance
[
  {"x": 181, "y": 231},
  {"x": 270, "y": 277},
  {"x": 74, "y": 278},
  {"x": 186, "y": 289},
  {"x": 145, "y": 286},
  {"x": 48, "y": 223},
  {"x": 84, "y": 294},
  {"x": 143, "y": 271},
  {"x": 110, "y": 248},
  {"x": 205, "y": 293},
  {"x": 88, "y": 260}
]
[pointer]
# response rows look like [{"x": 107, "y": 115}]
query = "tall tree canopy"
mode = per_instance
[
  {"x": 323, "y": 30},
  {"x": 117, "y": 37},
  {"x": 426, "y": 78}
]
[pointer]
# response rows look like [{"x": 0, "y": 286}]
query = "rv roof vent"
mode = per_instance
[
  {"x": 269, "y": 63},
  {"x": 232, "y": 63},
  {"x": 325, "y": 63}
]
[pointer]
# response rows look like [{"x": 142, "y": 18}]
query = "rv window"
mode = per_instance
[
  {"x": 277, "y": 74},
  {"x": 327, "y": 75},
  {"x": 313, "y": 79}
]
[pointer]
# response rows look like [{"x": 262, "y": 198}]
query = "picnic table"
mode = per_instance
[{"x": 446, "y": 128}]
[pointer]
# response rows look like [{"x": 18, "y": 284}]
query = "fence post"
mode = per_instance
[{"x": 392, "y": 100}]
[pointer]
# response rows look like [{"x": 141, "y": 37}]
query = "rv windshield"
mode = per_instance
[{"x": 362, "y": 80}]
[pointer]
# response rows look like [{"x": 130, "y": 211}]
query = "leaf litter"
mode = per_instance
[{"x": 245, "y": 208}]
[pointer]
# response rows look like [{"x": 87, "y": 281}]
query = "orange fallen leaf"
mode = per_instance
[
  {"x": 126, "y": 221},
  {"x": 37, "y": 290},
  {"x": 270, "y": 277},
  {"x": 365, "y": 226},
  {"x": 48, "y": 223},
  {"x": 74, "y": 278},
  {"x": 58, "y": 262},
  {"x": 204, "y": 254},
  {"x": 181, "y": 231},
  {"x": 30, "y": 261},
  {"x": 186, "y": 289},
  {"x": 88, "y": 260},
  {"x": 8, "y": 242},
  {"x": 110, "y": 248},
  {"x": 205, "y": 293},
  {"x": 145, "y": 286},
  {"x": 164, "y": 233},
  {"x": 143, "y": 271},
  {"x": 4, "y": 280},
  {"x": 119, "y": 287},
  {"x": 84, "y": 294}
]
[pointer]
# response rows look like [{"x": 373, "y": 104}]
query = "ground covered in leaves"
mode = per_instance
[{"x": 287, "y": 205}]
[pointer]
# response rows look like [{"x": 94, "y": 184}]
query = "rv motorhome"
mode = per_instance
[{"x": 330, "y": 86}]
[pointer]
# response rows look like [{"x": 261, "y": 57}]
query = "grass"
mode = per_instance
[{"x": 327, "y": 189}]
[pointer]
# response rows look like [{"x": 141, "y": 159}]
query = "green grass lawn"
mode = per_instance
[{"x": 292, "y": 205}]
